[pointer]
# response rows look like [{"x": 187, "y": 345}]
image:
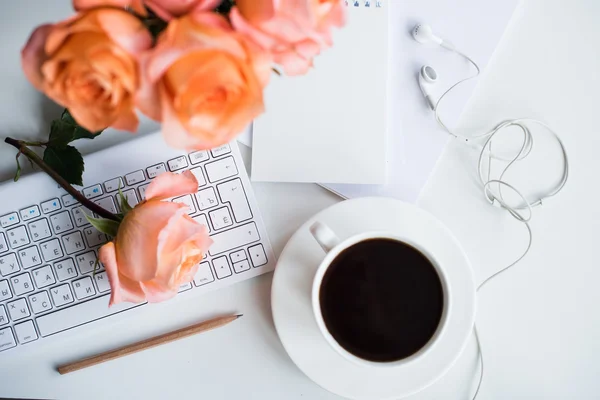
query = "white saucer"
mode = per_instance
[{"x": 298, "y": 331}]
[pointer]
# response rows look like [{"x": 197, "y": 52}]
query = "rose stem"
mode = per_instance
[{"x": 22, "y": 147}]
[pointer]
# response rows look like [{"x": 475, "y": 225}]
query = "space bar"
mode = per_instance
[{"x": 79, "y": 314}]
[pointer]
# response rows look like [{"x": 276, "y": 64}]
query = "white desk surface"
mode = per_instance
[{"x": 539, "y": 323}]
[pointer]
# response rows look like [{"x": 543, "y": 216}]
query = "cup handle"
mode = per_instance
[{"x": 324, "y": 236}]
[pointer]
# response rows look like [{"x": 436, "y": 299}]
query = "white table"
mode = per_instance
[{"x": 539, "y": 323}]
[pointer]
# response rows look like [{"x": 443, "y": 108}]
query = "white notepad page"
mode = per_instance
[{"x": 330, "y": 124}]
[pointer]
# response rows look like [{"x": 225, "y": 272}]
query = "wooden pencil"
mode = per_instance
[{"x": 147, "y": 344}]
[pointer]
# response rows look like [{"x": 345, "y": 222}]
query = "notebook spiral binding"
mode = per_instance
[{"x": 364, "y": 3}]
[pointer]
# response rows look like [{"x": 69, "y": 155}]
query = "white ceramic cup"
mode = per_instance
[{"x": 333, "y": 246}]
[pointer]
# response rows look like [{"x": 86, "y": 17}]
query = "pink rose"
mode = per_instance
[
  {"x": 294, "y": 31},
  {"x": 158, "y": 246},
  {"x": 203, "y": 81},
  {"x": 169, "y": 9},
  {"x": 135, "y": 5},
  {"x": 165, "y": 9}
]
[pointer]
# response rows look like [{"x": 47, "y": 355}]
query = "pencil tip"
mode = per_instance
[{"x": 240, "y": 315}]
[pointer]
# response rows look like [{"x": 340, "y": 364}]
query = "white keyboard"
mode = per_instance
[{"x": 48, "y": 250}]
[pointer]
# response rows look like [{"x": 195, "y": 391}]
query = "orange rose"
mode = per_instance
[
  {"x": 294, "y": 31},
  {"x": 204, "y": 81},
  {"x": 135, "y": 5},
  {"x": 89, "y": 64},
  {"x": 158, "y": 246}
]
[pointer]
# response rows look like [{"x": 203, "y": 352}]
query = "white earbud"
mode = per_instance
[
  {"x": 427, "y": 75},
  {"x": 423, "y": 34}
]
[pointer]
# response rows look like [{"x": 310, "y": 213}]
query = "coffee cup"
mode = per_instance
[{"x": 379, "y": 300}]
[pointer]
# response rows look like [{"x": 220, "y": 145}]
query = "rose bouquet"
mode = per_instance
[{"x": 197, "y": 66}]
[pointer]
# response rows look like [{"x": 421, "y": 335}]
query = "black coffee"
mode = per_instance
[{"x": 382, "y": 300}]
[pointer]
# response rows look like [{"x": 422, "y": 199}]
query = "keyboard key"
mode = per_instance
[
  {"x": 78, "y": 314},
  {"x": 61, "y": 295},
  {"x": 135, "y": 177},
  {"x": 68, "y": 200},
  {"x": 142, "y": 190},
  {"x": 188, "y": 201},
  {"x": 39, "y": 229},
  {"x": 93, "y": 191},
  {"x": 17, "y": 237},
  {"x": 65, "y": 269},
  {"x": 185, "y": 287},
  {"x": 5, "y": 292},
  {"x": 108, "y": 204},
  {"x": 61, "y": 222},
  {"x": 238, "y": 256},
  {"x": 9, "y": 220},
  {"x": 73, "y": 242},
  {"x": 78, "y": 214},
  {"x": 3, "y": 244},
  {"x": 43, "y": 277},
  {"x": 26, "y": 332},
  {"x": 9, "y": 264},
  {"x": 30, "y": 213},
  {"x": 220, "y": 218},
  {"x": 86, "y": 262},
  {"x": 7, "y": 340},
  {"x": 233, "y": 238},
  {"x": 199, "y": 176},
  {"x": 50, "y": 206},
  {"x": 207, "y": 198},
  {"x": 201, "y": 219},
  {"x": 257, "y": 255},
  {"x": 3, "y": 315},
  {"x": 30, "y": 257},
  {"x": 221, "y": 150},
  {"x": 51, "y": 250},
  {"x": 221, "y": 169},
  {"x": 131, "y": 197},
  {"x": 40, "y": 302},
  {"x": 241, "y": 266},
  {"x": 22, "y": 284},
  {"x": 204, "y": 275},
  {"x": 94, "y": 237},
  {"x": 84, "y": 288},
  {"x": 178, "y": 163},
  {"x": 156, "y": 170},
  {"x": 102, "y": 283},
  {"x": 199, "y": 156},
  {"x": 222, "y": 268},
  {"x": 233, "y": 192},
  {"x": 113, "y": 185},
  {"x": 18, "y": 309}
]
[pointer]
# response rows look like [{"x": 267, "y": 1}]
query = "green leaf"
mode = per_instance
[
  {"x": 18, "y": 173},
  {"x": 65, "y": 130},
  {"x": 107, "y": 226},
  {"x": 124, "y": 203},
  {"x": 67, "y": 162}
]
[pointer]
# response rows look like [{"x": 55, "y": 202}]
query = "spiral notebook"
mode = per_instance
[{"x": 330, "y": 125}]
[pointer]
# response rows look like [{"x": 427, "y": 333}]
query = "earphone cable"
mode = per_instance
[{"x": 488, "y": 183}]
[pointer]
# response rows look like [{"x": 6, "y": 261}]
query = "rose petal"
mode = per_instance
[
  {"x": 183, "y": 241},
  {"x": 137, "y": 239},
  {"x": 122, "y": 289},
  {"x": 171, "y": 185},
  {"x": 136, "y": 5},
  {"x": 33, "y": 55},
  {"x": 156, "y": 294},
  {"x": 169, "y": 9},
  {"x": 127, "y": 121},
  {"x": 125, "y": 29}
]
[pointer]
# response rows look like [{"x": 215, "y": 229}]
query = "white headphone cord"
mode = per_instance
[{"x": 488, "y": 183}]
